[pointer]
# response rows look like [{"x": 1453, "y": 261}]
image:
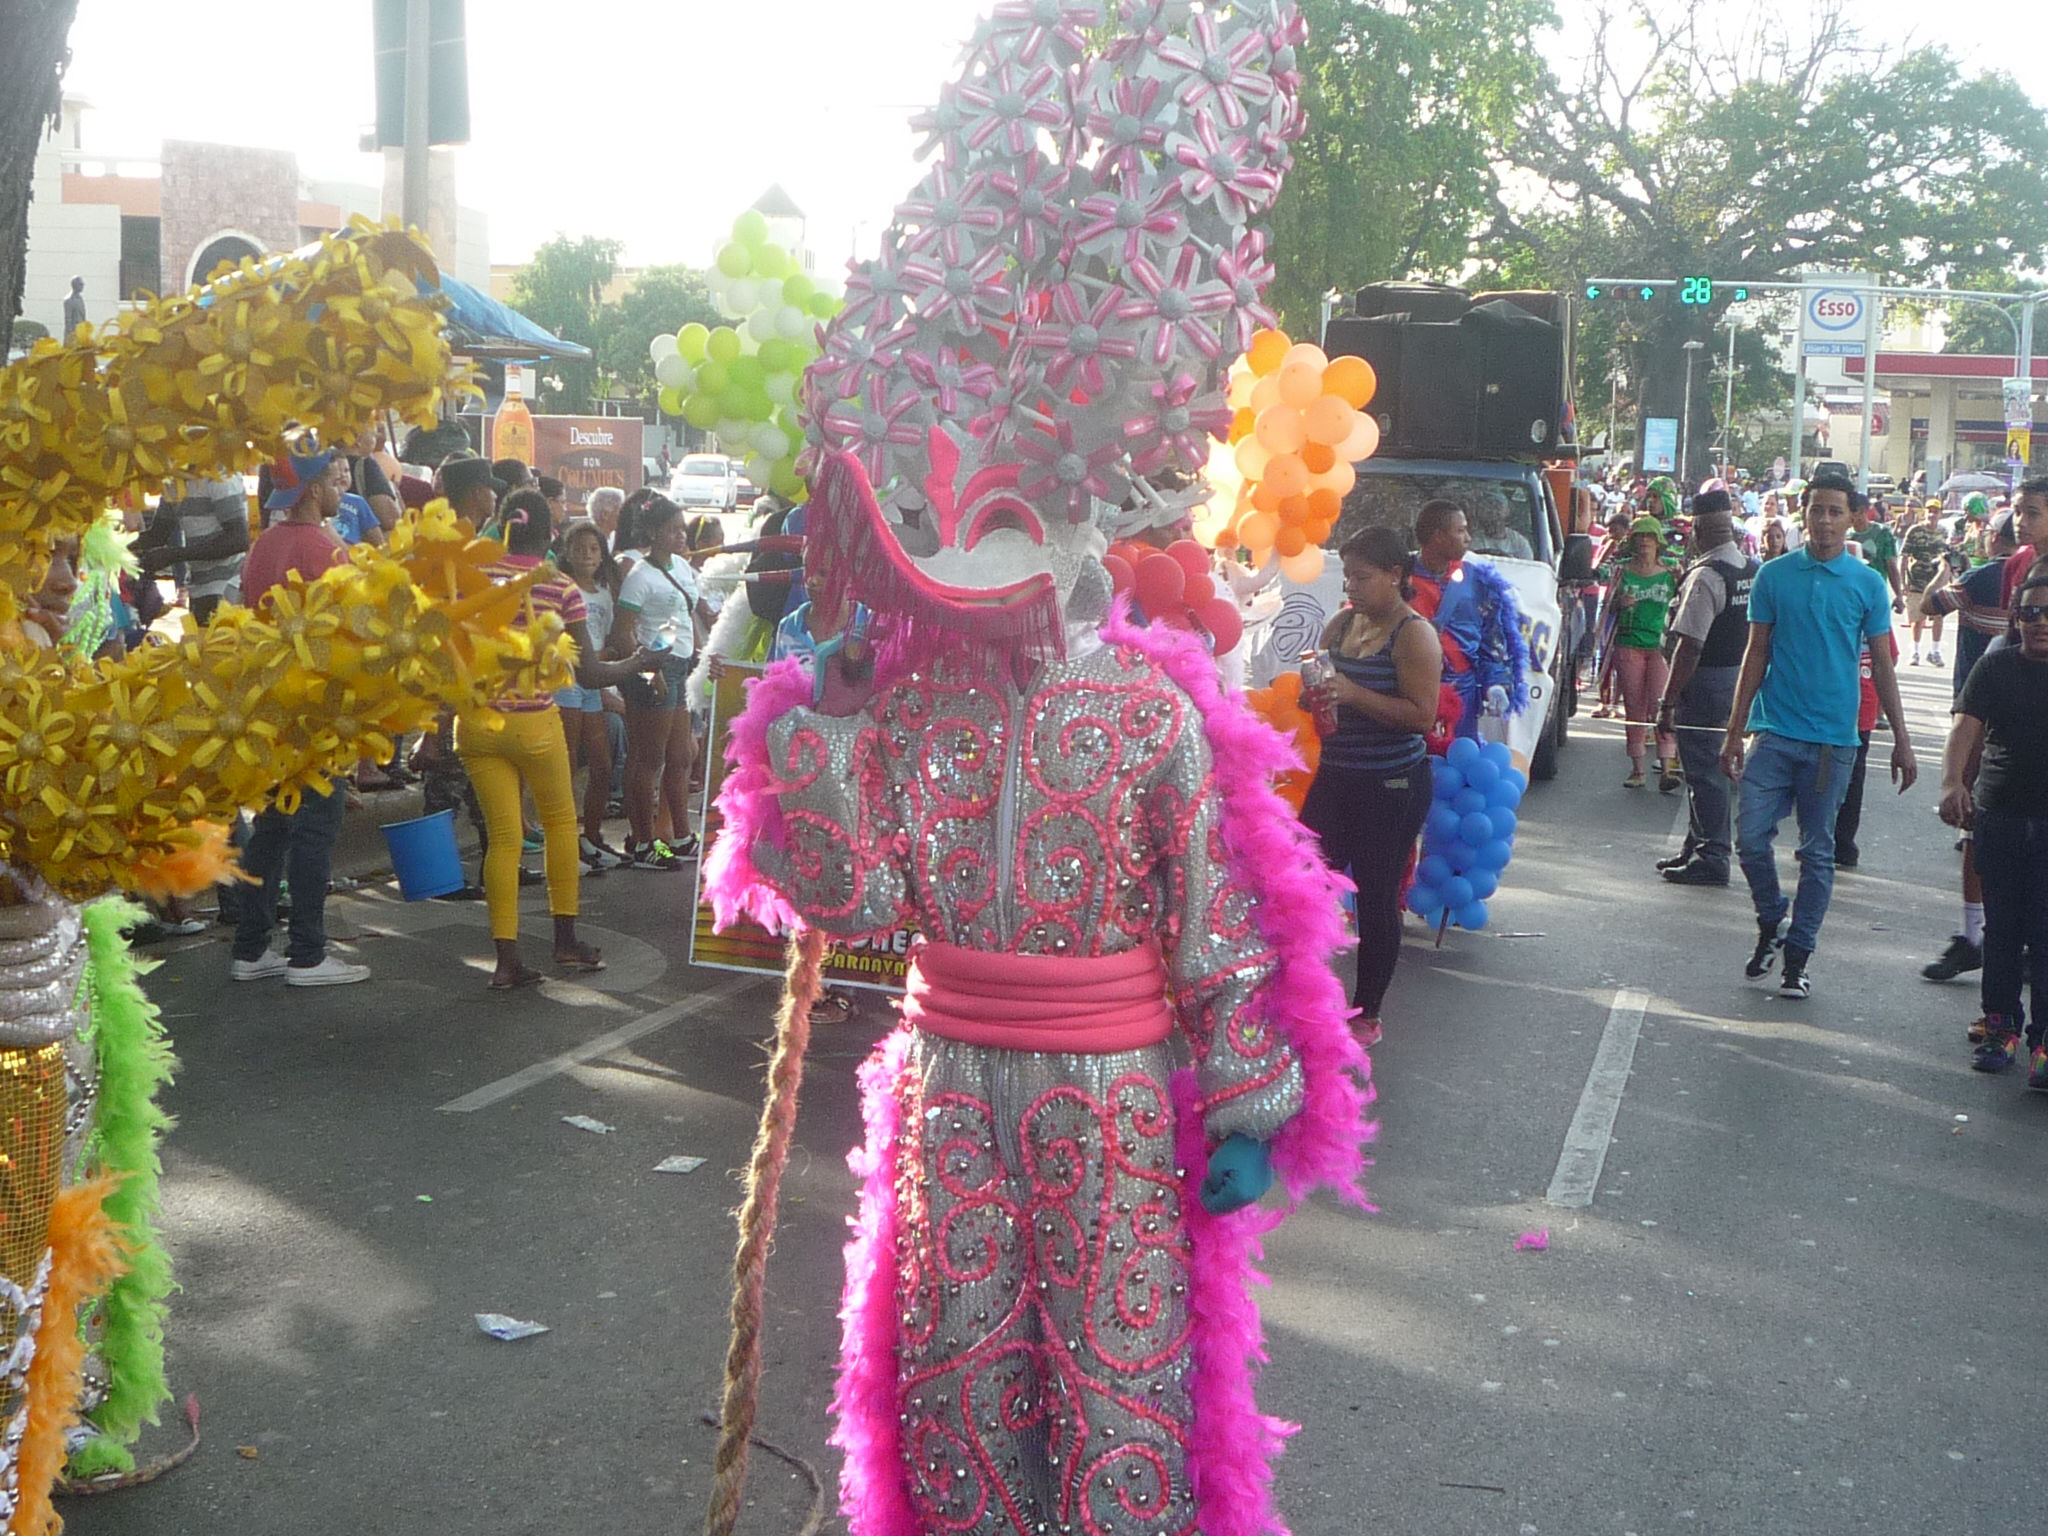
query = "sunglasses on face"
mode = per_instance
[{"x": 2031, "y": 613}]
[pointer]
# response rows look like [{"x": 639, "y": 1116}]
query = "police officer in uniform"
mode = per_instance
[{"x": 1710, "y": 628}]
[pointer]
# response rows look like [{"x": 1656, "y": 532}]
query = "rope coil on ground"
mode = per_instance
[{"x": 801, "y": 986}]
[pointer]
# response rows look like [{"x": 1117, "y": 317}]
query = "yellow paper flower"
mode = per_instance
[{"x": 121, "y": 774}]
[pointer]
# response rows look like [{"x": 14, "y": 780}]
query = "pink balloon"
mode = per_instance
[
  {"x": 1300, "y": 383},
  {"x": 1200, "y": 589},
  {"x": 1192, "y": 557},
  {"x": 1280, "y": 428},
  {"x": 1120, "y": 575},
  {"x": 1225, "y": 624},
  {"x": 1361, "y": 441},
  {"x": 1160, "y": 582}
]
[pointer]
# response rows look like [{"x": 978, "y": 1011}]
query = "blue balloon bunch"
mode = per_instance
[{"x": 1470, "y": 834}]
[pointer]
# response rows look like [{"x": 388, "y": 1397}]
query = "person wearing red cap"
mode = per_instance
[{"x": 307, "y": 490}]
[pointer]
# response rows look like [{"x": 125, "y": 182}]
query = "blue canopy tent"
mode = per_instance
[{"x": 479, "y": 326}]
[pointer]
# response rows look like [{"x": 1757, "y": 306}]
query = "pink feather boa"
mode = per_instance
[
  {"x": 1300, "y": 912},
  {"x": 747, "y": 802},
  {"x": 1231, "y": 1445},
  {"x": 873, "y": 1495}
]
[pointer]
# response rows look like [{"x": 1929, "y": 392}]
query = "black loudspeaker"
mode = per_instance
[
  {"x": 1378, "y": 341},
  {"x": 1438, "y": 415},
  {"x": 1414, "y": 301},
  {"x": 1487, "y": 380},
  {"x": 1521, "y": 366}
]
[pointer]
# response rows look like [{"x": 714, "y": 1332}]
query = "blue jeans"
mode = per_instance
[
  {"x": 302, "y": 846},
  {"x": 1781, "y": 777},
  {"x": 2012, "y": 861}
]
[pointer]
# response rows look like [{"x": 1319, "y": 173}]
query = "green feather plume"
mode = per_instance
[{"x": 135, "y": 1062}]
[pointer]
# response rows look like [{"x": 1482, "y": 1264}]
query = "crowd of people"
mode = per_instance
[
  {"x": 1753, "y": 650},
  {"x": 1775, "y": 663},
  {"x": 625, "y": 576}
]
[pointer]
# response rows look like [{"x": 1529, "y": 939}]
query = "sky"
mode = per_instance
[{"x": 655, "y": 122}]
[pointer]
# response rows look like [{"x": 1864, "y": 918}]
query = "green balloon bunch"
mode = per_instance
[{"x": 742, "y": 380}]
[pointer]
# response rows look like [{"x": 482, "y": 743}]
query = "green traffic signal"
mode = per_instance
[
  {"x": 1593, "y": 291},
  {"x": 1646, "y": 293}
]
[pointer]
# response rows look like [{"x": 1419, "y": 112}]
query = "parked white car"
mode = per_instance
[{"x": 705, "y": 480}]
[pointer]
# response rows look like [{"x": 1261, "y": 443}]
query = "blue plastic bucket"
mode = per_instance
[{"x": 423, "y": 855}]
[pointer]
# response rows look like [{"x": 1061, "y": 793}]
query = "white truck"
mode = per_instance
[{"x": 1473, "y": 401}]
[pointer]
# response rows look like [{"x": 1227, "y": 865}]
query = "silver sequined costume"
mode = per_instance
[{"x": 1041, "y": 1264}]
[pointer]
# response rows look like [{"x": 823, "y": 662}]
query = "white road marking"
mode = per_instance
[
  {"x": 1592, "y": 1128},
  {"x": 602, "y": 1045}
]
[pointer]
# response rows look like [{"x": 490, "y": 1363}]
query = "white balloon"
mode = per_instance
[
  {"x": 768, "y": 292},
  {"x": 662, "y": 346},
  {"x": 769, "y": 441},
  {"x": 791, "y": 323},
  {"x": 671, "y": 372},
  {"x": 723, "y": 300},
  {"x": 732, "y": 432},
  {"x": 781, "y": 388},
  {"x": 761, "y": 325},
  {"x": 744, "y": 294}
]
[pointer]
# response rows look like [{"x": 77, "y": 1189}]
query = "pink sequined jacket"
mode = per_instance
[{"x": 1078, "y": 818}]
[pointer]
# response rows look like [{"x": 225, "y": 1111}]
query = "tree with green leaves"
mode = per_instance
[
  {"x": 661, "y": 299},
  {"x": 1678, "y": 151},
  {"x": 562, "y": 290},
  {"x": 1394, "y": 176}
]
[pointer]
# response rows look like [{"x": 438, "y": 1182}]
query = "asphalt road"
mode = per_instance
[{"x": 1797, "y": 1301}]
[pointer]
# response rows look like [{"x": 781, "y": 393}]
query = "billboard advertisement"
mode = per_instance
[{"x": 586, "y": 452}]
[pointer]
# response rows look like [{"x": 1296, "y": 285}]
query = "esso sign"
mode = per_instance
[{"x": 1835, "y": 309}]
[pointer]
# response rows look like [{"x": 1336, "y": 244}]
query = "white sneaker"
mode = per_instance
[
  {"x": 271, "y": 964},
  {"x": 1935, "y": 658},
  {"x": 330, "y": 972},
  {"x": 1916, "y": 656}
]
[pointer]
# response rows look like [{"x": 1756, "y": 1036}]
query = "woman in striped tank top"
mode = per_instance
[{"x": 1372, "y": 788}]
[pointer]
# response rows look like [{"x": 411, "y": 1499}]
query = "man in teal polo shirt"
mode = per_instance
[{"x": 1810, "y": 613}]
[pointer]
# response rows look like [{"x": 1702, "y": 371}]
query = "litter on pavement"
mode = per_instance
[
  {"x": 499, "y": 1326},
  {"x": 679, "y": 1165},
  {"x": 585, "y": 1123},
  {"x": 1533, "y": 1242}
]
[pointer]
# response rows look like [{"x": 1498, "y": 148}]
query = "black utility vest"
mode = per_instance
[{"x": 1729, "y": 635}]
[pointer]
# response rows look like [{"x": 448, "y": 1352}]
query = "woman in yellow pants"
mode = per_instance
[{"x": 519, "y": 743}]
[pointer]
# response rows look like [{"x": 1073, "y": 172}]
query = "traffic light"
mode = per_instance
[
  {"x": 1647, "y": 292},
  {"x": 1593, "y": 292},
  {"x": 1696, "y": 290}
]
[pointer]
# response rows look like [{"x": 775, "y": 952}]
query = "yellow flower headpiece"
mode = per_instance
[
  {"x": 217, "y": 380},
  {"x": 117, "y": 774}
]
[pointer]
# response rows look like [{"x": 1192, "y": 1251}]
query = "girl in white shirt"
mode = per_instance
[{"x": 661, "y": 608}]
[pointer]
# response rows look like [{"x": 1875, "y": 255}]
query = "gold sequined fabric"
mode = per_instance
[{"x": 33, "y": 1099}]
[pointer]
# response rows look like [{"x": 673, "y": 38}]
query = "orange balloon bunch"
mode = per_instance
[
  {"x": 1300, "y": 425},
  {"x": 1281, "y": 707}
]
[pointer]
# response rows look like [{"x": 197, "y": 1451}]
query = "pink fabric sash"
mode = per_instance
[{"x": 1099, "y": 1004}]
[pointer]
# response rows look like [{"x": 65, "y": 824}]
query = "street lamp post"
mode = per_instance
[{"x": 1692, "y": 349}]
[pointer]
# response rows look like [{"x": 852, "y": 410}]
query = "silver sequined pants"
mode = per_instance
[{"x": 1042, "y": 1274}]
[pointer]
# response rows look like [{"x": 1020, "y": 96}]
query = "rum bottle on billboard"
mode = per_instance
[{"x": 512, "y": 427}]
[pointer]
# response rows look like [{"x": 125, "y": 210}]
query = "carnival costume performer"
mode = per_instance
[
  {"x": 120, "y": 774},
  {"x": 1121, "y": 1020}
]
